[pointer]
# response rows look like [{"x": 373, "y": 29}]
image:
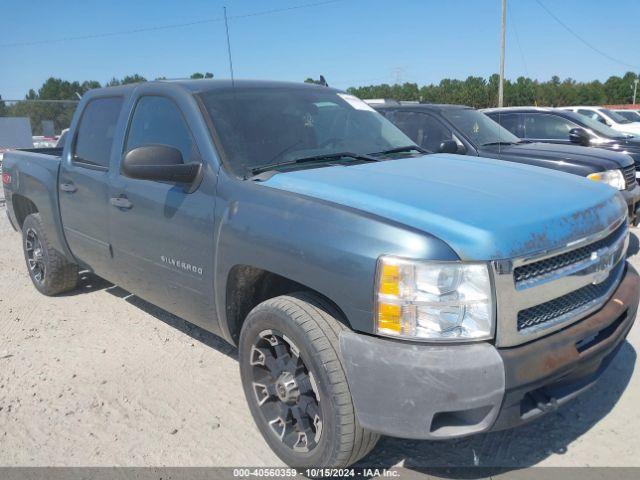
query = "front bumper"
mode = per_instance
[
  {"x": 443, "y": 391},
  {"x": 632, "y": 199}
]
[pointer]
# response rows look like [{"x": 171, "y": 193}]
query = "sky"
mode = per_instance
[{"x": 350, "y": 42}]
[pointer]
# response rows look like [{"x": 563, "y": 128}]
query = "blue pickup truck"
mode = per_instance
[{"x": 370, "y": 288}]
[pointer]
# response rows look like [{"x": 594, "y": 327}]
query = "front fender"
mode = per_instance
[{"x": 329, "y": 248}]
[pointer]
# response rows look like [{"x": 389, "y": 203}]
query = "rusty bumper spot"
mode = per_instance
[{"x": 558, "y": 354}]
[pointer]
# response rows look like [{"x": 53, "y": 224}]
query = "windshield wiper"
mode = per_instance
[
  {"x": 406, "y": 148},
  {"x": 496, "y": 143},
  {"x": 314, "y": 158}
]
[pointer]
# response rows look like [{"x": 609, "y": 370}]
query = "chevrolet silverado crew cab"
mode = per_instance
[
  {"x": 465, "y": 131},
  {"x": 370, "y": 289}
]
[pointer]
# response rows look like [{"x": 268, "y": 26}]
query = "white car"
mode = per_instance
[
  {"x": 632, "y": 115},
  {"x": 608, "y": 117}
]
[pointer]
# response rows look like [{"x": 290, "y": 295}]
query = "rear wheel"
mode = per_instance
[
  {"x": 296, "y": 386},
  {"x": 50, "y": 272}
]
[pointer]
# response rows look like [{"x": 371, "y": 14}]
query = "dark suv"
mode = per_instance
[
  {"x": 552, "y": 125},
  {"x": 463, "y": 130}
]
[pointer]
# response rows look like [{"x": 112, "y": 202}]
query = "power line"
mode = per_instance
[
  {"x": 588, "y": 44},
  {"x": 166, "y": 26}
]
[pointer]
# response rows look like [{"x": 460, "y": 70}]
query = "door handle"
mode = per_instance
[
  {"x": 68, "y": 187},
  {"x": 121, "y": 202}
]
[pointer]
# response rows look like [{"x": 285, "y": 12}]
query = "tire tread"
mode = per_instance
[
  {"x": 317, "y": 319},
  {"x": 60, "y": 274}
]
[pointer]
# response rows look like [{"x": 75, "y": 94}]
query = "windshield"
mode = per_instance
[
  {"x": 478, "y": 128},
  {"x": 260, "y": 126},
  {"x": 629, "y": 115},
  {"x": 595, "y": 125},
  {"x": 615, "y": 116}
]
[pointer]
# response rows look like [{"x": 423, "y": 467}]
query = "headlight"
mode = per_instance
[
  {"x": 433, "y": 301},
  {"x": 615, "y": 178}
]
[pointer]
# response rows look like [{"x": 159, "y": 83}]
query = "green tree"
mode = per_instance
[
  {"x": 479, "y": 92},
  {"x": 198, "y": 75},
  {"x": 3, "y": 108},
  {"x": 135, "y": 78}
]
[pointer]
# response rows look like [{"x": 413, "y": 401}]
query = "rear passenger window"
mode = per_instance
[
  {"x": 158, "y": 121},
  {"x": 96, "y": 130}
]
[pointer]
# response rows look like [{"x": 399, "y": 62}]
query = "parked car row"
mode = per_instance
[
  {"x": 554, "y": 125},
  {"x": 607, "y": 117},
  {"x": 371, "y": 287},
  {"x": 462, "y": 130}
]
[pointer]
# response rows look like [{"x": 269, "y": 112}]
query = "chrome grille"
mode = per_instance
[
  {"x": 567, "y": 304},
  {"x": 536, "y": 271},
  {"x": 544, "y": 299},
  {"x": 629, "y": 176}
]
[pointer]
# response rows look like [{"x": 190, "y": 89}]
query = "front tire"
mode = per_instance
[
  {"x": 50, "y": 272},
  {"x": 296, "y": 386}
]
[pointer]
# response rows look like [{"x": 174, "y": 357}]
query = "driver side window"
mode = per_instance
[
  {"x": 593, "y": 115},
  {"x": 423, "y": 129},
  {"x": 158, "y": 121},
  {"x": 547, "y": 127}
]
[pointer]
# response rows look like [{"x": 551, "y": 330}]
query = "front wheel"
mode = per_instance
[
  {"x": 295, "y": 383},
  {"x": 50, "y": 272}
]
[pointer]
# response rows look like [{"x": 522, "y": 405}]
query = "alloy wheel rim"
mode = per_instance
[
  {"x": 35, "y": 255},
  {"x": 285, "y": 391}
]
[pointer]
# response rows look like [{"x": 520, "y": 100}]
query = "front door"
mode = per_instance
[
  {"x": 83, "y": 185},
  {"x": 162, "y": 236}
]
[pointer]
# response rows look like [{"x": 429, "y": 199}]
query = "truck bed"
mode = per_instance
[
  {"x": 51, "y": 151},
  {"x": 32, "y": 183}
]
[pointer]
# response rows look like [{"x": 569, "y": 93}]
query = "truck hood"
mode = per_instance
[
  {"x": 549, "y": 154},
  {"x": 483, "y": 209}
]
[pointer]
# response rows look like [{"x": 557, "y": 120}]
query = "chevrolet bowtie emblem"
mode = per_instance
[{"x": 603, "y": 266}]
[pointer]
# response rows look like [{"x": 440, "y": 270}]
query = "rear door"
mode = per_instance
[
  {"x": 162, "y": 235},
  {"x": 83, "y": 184}
]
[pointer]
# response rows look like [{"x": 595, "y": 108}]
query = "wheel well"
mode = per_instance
[
  {"x": 248, "y": 286},
  {"x": 22, "y": 207}
]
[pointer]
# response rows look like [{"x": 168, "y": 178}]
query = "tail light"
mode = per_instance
[{"x": 6, "y": 178}]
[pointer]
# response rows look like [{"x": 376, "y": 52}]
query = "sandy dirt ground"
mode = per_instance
[{"x": 101, "y": 378}]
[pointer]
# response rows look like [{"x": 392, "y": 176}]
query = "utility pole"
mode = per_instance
[
  {"x": 635, "y": 89},
  {"x": 502, "y": 47}
]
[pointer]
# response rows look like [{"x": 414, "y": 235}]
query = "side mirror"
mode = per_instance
[
  {"x": 159, "y": 162},
  {"x": 448, "y": 146},
  {"x": 579, "y": 136}
]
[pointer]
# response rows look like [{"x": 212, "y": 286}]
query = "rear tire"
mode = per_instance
[
  {"x": 50, "y": 272},
  {"x": 292, "y": 370}
]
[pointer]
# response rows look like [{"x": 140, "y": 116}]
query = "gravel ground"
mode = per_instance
[{"x": 101, "y": 378}]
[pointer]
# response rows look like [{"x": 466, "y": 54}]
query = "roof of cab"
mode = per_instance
[
  {"x": 517, "y": 109},
  {"x": 210, "y": 84},
  {"x": 418, "y": 106}
]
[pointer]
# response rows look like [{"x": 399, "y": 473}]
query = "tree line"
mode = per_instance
[
  {"x": 476, "y": 92},
  {"x": 58, "y": 89},
  {"x": 479, "y": 92}
]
